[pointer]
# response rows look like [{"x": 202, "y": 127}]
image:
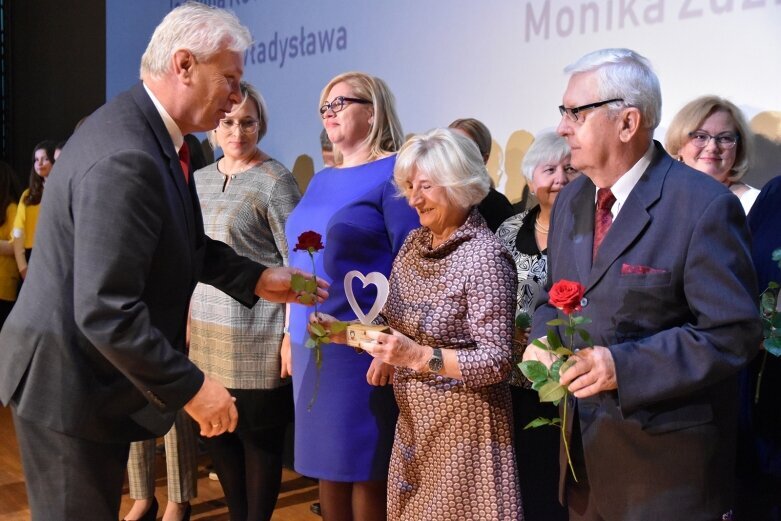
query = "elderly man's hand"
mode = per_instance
[
  {"x": 592, "y": 372},
  {"x": 213, "y": 408},
  {"x": 274, "y": 285}
]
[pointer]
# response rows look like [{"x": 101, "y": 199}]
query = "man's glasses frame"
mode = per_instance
[{"x": 572, "y": 113}]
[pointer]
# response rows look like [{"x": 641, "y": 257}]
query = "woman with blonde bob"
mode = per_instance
[
  {"x": 711, "y": 135},
  {"x": 344, "y": 436},
  {"x": 450, "y": 309}
]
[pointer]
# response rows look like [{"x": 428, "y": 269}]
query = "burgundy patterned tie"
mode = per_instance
[
  {"x": 602, "y": 218},
  {"x": 184, "y": 160}
]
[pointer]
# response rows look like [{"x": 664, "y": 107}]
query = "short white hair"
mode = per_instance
[
  {"x": 198, "y": 28},
  {"x": 624, "y": 74},
  {"x": 548, "y": 147},
  {"x": 450, "y": 160}
]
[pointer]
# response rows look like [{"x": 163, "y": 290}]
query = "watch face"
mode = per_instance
[{"x": 435, "y": 363}]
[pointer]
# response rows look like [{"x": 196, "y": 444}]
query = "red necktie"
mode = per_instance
[
  {"x": 184, "y": 160},
  {"x": 602, "y": 218}
]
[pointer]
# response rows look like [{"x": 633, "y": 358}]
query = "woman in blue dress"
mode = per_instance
[{"x": 344, "y": 439}]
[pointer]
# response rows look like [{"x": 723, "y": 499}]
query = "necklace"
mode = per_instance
[{"x": 540, "y": 228}]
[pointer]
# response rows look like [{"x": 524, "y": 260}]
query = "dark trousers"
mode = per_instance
[{"x": 70, "y": 478}]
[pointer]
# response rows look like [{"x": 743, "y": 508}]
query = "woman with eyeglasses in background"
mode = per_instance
[
  {"x": 246, "y": 197},
  {"x": 344, "y": 439},
  {"x": 711, "y": 135}
]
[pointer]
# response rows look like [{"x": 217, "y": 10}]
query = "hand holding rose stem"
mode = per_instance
[
  {"x": 312, "y": 242},
  {"x": 566, "y": 296}
]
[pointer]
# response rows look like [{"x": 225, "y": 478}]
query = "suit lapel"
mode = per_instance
[
  {"x": 169, "y": 152},
  {"x": 633, "y": 218}
]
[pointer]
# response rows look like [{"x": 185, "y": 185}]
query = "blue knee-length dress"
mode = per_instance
[{"x": 347, "y": 434}]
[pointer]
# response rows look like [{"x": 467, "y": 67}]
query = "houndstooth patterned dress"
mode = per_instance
[{"x": 453, "y": 456}]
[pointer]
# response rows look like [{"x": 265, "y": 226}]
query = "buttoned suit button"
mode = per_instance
[{"x": 583, "y": 302}]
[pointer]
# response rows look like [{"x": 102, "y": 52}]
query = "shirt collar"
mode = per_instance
[
  {"x": 168, "y": 121},
  {"x": 623, "y": 187}
]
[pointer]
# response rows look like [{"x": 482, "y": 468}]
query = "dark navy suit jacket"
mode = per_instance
[{"x": 672, "y": 294}]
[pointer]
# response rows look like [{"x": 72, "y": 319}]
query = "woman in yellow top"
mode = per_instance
[
  {"x": 29, "y": 204},
  {"x": 9, "y": 275}
]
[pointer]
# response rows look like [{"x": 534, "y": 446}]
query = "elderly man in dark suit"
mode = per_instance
[
  {"x": 92, "y": 356},
  {"x": 663, "y": 253}
]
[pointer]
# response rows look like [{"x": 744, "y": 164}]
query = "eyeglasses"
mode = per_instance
[
  {"x": 701, "y": 139},
  {"x": 246, "y": 126},
  {"x": 338, "y": 103},
  {"x": 572, "y": 113}
]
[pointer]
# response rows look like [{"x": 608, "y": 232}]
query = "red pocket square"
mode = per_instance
[{"x": 638, "y": 269}]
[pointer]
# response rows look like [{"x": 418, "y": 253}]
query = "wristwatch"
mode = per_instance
[{"x": 435, "y": 363}]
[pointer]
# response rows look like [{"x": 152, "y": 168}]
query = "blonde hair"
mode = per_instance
[
  {"x": 694, "y": 113},
  {"x": 385, "y": 135}
]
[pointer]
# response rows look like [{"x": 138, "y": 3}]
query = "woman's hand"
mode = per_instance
[
  {"x": 325, "y": 320},
  {"x": 397, "y": 350},
  {"x": 286, "y": 357},
  {"x": 380, "y": 373}
]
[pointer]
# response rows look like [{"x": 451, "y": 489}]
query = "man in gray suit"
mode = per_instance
[
  {"x": 662, "y": 251},
  {"x": 92, "y": 356}
]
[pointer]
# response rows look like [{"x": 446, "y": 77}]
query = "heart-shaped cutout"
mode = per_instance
[{"x": 376, "y": 278}]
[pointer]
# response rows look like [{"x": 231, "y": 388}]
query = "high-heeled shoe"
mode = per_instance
[{"x": 150, "y": 514}]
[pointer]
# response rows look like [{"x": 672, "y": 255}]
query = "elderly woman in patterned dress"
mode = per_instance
[
  {"x": 547, "y": 169},
  {"x": 451, "y": 308}
]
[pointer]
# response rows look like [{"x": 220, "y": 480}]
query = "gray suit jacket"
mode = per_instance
[
  {"x": 94, "y": 347},
  {"x": 672, "y": 294}
]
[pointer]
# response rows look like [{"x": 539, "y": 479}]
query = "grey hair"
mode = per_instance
[
  {"x": 450, "y": 160},
  {"x": 547, "y": 147},
  {"x": 248, "y": 92},
  {"x": 625, "y": 74},
  {"x": 200, "y": 29}
]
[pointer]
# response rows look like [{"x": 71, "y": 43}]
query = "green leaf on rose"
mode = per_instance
[
  {"x": 553, "y": 340},
  {"x": 580, "y": 320},
  {"x": 298, "y": 282},
  {"x": 539, "y": 343},
  {"x": 773, "y": 345},
  {"x": 317, "y": 329},
  {"x": 310, "y": 343},
  {"x": 563, "y": 351},
  {"x": 772, "y": 284},
  {"x": 554, "y": 369},
  {"x": 557, "y": 322},
  {"x": 538, "y": 422},
  {"x": 569, "y": 331},
  {"x": 768, "y": 302},
  {"x": 776, "y": 321},
  {"x": 566, "y": 365},
  {"x": 552, "y": 392},
  {"x": 584, "y": 335},
  {"x": 536, "y": 386},
  {"x": 534, "y": 370},
  {"x": 338, "y": 326},
  {"x": 306, "y": 299}
]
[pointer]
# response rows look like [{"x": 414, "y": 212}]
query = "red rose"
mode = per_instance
[
  {"x": 566, "y": 296},
  {"x": 309, "y": 241}
]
